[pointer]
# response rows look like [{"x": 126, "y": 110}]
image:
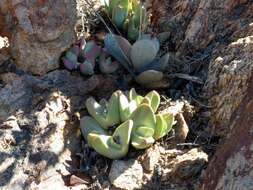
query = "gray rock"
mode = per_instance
[
  {"x": 126, "y": 175},
  {"x": 39, "y": 130}
]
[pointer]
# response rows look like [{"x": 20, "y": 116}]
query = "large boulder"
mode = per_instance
[
  {"x": 232, "y": 165},
  {"x": 228, "y": 77},
  {"x": 40, "y": 32}
]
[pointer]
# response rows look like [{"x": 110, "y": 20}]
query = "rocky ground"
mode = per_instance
[{"x": 41, "y": 103}]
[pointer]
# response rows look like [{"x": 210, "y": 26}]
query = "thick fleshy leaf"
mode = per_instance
[
  {"x": 126, "y": 107},
  {"x": 161, "y": 127},
  {"x": 159, "y": 64},
  {"x": 87, "y": 68},
  {"x": 75, "y": 49},
  {"x": 151, "y": 38},
  {"x": 139, "y": 11},
  {"x": 113, "y": 147},
  {"x": 145, "y": 131},
  {"x": 89, "y": 125},
  {"x": 134, "y": 96},
  {"x": 119, "y": 15},
  {"x": 170, "y": 120},
  {"x": 106, "y": 115},
  {"x": 143, "y": 117},
  {"x": 143, "y": 52},
  {"x": 91, "y": 50},
  {"x": 164, "y": 124},
  {"x": 149, "y": 76},
  {"x": 71, "y": 56},
  {"x": 154, "y": 98},
  {"x": 142, "y": 142},
  {"x": 132, "y": 31},
  {"x": 97, "y": 111},
  {"x": 112, "y": 4},
  {"x": 119, "y": 48},
  {"x": 69, "y": 64},
  {"x": 113, "y": 114},
  {"x": 107, "y": 66}
]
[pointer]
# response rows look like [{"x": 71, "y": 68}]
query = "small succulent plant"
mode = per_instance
[
  {"x": 128, "y": 15},
  {"x": 133, "y": 119},
  {"x": 84, "y": 56},
  {"x": 140, "y": 59}
]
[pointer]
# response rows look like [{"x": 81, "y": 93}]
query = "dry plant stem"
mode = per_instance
[
  {"x": 182, "y": 129},
  {"x": 99, "y": 16},
  {"x": 187, "y": 77}
]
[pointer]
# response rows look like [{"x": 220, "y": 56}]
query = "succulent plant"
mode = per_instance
[
  {"x": 134, "y": 118},
  {"x": 128, "y": 15},
  {"x": 84, "y": 55},
  {"x": 140, "y": 59}
]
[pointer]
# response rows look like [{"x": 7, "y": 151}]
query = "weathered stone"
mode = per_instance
[
  {"x": 182, "y": 166},
  {"x": 227, "y": 82},
  {"x": 14, "y": 97},
  {"x": 43, "y": 31},
  {"x": 22, "y": 92},
  {"x": 38, "y": 128},
  {"x": 4, "y": 49},
  {"x": 54, "y": 182},
  {"x": 126, "y": 175},
  {"x": 150, "y": 158},
  {"x": 232, "y": 165}
]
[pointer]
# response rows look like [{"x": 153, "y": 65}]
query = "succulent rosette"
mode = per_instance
[{"x": 132, "y": 116}]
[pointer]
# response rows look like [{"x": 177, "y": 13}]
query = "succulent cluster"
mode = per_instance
[
  {"x": 133, "y": 119},
  {"x": 140, "y": 59},
  {"x": 84, "y": 56},
  {"x": 128, "y": 15}
]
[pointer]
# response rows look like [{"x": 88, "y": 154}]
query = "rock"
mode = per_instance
[
  {"x": 228, "y": 76},
  {"x": 22, "y": 92},
  {"x": 178, "y": 166},
  {"x": 150, "y": 158},
  {"x": 79, "y": 179},
  {"x": 54, "y": 182},
  {"x": 182, "y": 129},
  {"x": 39, "y": 130},
  {"x": 232, "y": 164},
  {"x": 43, "y": 31},
  {"x": 126, "y": 175},
  {"x": 14, "y": 97}
]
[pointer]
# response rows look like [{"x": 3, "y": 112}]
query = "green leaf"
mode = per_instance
[
  {"x": 89, "y": 125},
  {"x": 71, "y": 56},
  {"x": 112, "y": 4},
  {"x": 126, "y": 107},
  {"x": 113, "y": 147},
  {"x": 107, "y": 115},
  {"x": 119, "y": 48},
  {"x": 119, "y": 16},
  {"x": 164, "y": 124},
  {"x": 143, "y": 52},
  {"x": 144, "y": 119},
  {"x": 134, "y": 96},
  {"x": 132, "y": 31},
  {"x": 154, "y": 98},
  {"x": 149, "y": 76},
  {"x": 161, "y": 127}
]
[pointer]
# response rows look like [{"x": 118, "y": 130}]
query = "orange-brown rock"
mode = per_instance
[
  {"x": 232, "y": 165},
  {"x": 39, "y": 31}
]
